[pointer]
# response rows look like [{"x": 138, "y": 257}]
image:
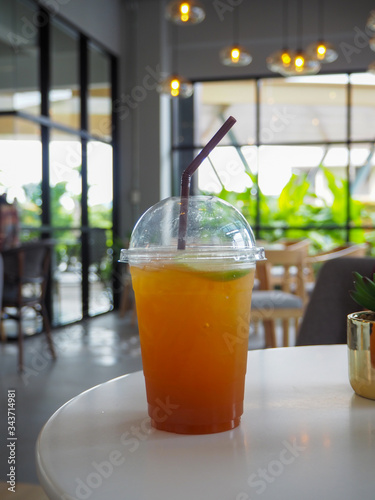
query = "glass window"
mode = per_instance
[
  {"x": 362, "y": 168},
  {"x": 100, "y": 271},
  {"x": 363, "y": 106},
  {"x": 303, "y": 109},
  {"x": 65, "y": 179},
  {"x": 21, "y": 170},
  {"x": 99, "y": 93},
  {"x": 216, "y": 101},
  {"x": 100, "y": 198},
  {"x": 19, "y": 87},
  {"x": 228, "y": 168},
  {"x": 304, "y": 176},
  {"x": 298, "y": 187},
  {"x": 67, "y": 276},
  {"x": 100, "y": 184},
  {"x": 64, "y": 96},
  {"x": 22, "y": 144},
  {"x": 65, "y": 191}
]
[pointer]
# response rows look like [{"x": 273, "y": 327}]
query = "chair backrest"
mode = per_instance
[
  {"x": 324, "y": 321},
  {"x": 289, "y": 259},
  {"x": 9, "y": 225},
  {"x": 296, "y": 244},
  {"x": 1, "y": 280},
  {"x": 349, "y": 250},
  {"x": 27, "y": 263}
]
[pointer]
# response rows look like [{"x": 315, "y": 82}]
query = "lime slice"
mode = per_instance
[
  {"x": 217, "y": 274},
  {"x": 230, "y": 275}
]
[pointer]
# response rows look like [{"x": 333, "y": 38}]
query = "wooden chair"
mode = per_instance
[
  {"x": 26, "y": 270},
  {"x": 269, "y": 304},
  {"x": 287, "y": 281}
]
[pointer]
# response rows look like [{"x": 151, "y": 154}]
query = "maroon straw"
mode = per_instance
[{"x": 186, "y": 178}]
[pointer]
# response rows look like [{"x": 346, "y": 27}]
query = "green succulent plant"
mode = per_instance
[{"x": 364, "y": 291}]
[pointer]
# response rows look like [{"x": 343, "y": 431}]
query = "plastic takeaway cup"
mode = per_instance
[{"x": 193, "y": 308}]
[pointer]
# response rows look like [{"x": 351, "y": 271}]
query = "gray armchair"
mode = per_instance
[{"x": 324, "y": 321}]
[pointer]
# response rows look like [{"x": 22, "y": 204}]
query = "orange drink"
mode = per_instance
[
  {"x": 194, "y": 327},
  {"x": 193, "y": 306}
]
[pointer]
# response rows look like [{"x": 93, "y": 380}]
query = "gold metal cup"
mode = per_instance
[{"x": 361, "y": 351}]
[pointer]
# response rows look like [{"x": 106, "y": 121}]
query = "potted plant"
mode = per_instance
[{"x": 361, "y": 338}]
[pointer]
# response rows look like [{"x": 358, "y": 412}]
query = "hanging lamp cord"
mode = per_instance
[
  {"x": 285, "y": 25},
  {"x": 236, "y": 24},
  {"x": 299, "y": 25},
  {"x": 321, "y": 19},
  {"x": 175, "y": 50}
]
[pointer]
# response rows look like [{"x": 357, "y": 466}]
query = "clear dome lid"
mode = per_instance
[{"x": 215, "y": 230}]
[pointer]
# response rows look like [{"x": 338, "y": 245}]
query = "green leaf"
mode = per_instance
[
  {"x": 358, "y": 281},
  {"x": 364, "y": 292},
  {"x": 370, "y": 284},
  {"x": 364, "y": 302}
]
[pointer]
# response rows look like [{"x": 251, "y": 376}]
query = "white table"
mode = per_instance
[{"x": 304, "y": 435}]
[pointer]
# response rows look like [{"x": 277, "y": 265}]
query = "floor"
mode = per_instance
[{"x": 88, "y": 354}]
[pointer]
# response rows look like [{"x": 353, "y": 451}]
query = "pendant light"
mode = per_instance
[
  {"x": 281, "y": 59},
  {"x": 322, "y": 50},
  {"x": 371, "y": 21},
  {"x": 176, "y": 85},
  {"x": 302, "y": 63},
  {"x": 185, "y": 12},
  {"x": 370, "y": 24},
  {"x": 235, "y": 55}
]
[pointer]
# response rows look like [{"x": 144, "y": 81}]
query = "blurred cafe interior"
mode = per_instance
[{"x": 102, "y": 107}]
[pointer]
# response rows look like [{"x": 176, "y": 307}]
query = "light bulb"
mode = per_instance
[
  {"x": 235, "y": 55},
  {"x": 184, "y": 13},
  {"x": 280, "y": 60},
  {"x": 299, "y": 63},
  {"x": 176, "y": 86},
  {"x": 286, "y": 59},
  {"x": 323, "y": 51},
  {"x": 184, "y": 10}
]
